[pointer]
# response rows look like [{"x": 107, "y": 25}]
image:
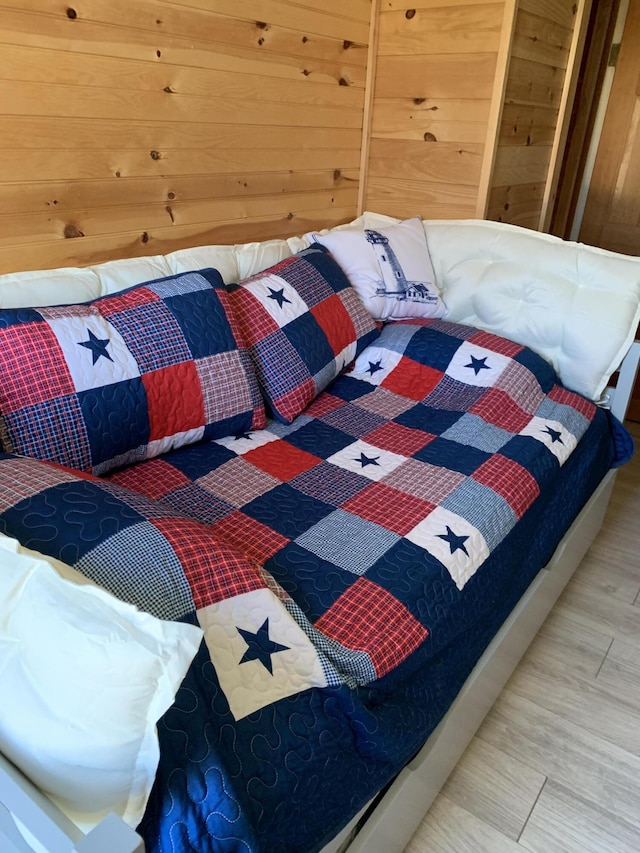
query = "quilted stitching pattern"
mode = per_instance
[
  {"x": 126, "y": 377},
  {"x": 304, "y": 324}
]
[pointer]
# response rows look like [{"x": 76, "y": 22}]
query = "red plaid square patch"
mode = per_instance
[
  {"x": 496, "y": 407},
  {"x": 214, "y": 569},
  {"x": 255, "y": 321},
  {"x": 412, "y": 380},
  {"x": 255, "y": 539},
  {"x": 368, "y": 618},
  {"x": 510, "y": 480},
  {"x": 399, "y": 439},
  {"x": 121, "y": 302},
  {"x": 389, "y": 507},
  {"x": 33, "y": 368},
  {"x": 495, "y": 344},
  {"x": 292, "y": 404},
  {"x": 154, "y": 478},
  {"x": 324, "y": 404},
  {"x": 570, "y": 398},
  {"x": 281, "y": 459},
  {"x": 174, "y": 400},
  {"x": 332, "y": 317}
]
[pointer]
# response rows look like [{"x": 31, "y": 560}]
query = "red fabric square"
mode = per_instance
[
  {"x": 412, "y": 380},
  {"x": 368, "y": 618},
  {"x": 324, "y": 404},
  {"x": 498, "y": 408},
  {"x": 389, "y": 507},
  {"x": 399, "y": 439},
  {"x": 510, "y": 480},
  {"x": 255, "y": 321},
  {"x": 570, "y": 398},
  {"x": 215, "y": 570},
  {"x": 255, "y": 539},
  {"x": 335, "y": 322},
  {"x": 126, "y": 301},
  {"x": 281, "y": 459},
  {"x": 155, "y": 478},
  {"x": 290, "y": 405},
  {"x": 33, "y": 368},
  {"x": 496, "y": 344},
  {"x": 174, "y": 400}
]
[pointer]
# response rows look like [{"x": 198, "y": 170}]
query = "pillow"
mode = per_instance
[
  {"x": 84, "y": 679},
  {"x": 100, "y": 384},
  {"x": 304, "y": 324},
  {"x": 390, "y": 268}
]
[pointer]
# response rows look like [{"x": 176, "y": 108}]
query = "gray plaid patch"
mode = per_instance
[
  {"x": 326, "y": 375},
  {"x": 329, "y": 483},
  {"x": 24, "y": 478},
  {"x": 454, "y": 330},
  {"x": 237, "y": 482},
  {"x": 223, "y": 391},
  {"x": 481, "y": 506},
  {"x": 350, "y": 542},
  {"x": 362, "y": 321},
  {"x": 570, "y": 419},
  {"x": 385, "y": 403},
  {"x": 453, "y": 395},
  {"x": 395, "y": 337},
  {"x": 178, "y": 285},
  {"x": 424, "y": 480},
  {"x": 138, "y": 565},
  {"x": 472, "y": 431},
  {"x": 197, "y": 503},
  {"x": 282, "y": 430},
  {"x": 522, "y": 386},
  {"x": 354, "y": 420}
]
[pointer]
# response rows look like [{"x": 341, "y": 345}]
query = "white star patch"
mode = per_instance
[
  {"x": 475, "y": 365},
  {"x": 366, "y": 459},
  {"x": 553, "y": 435}
]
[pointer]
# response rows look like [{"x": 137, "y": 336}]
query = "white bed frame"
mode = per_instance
[{"x": 391, "y": 821}]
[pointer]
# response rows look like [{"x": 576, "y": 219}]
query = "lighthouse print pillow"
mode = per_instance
[{"x": 389, "y": 267}]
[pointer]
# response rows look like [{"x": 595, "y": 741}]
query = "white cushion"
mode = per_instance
[
  {"x": 390, "y": 268},
  {"x": 84, "y": 679}
]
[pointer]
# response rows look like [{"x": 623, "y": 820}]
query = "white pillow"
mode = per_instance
[
  {"x": 84, "y": 677},
  {"x": 390, "y": 268}
]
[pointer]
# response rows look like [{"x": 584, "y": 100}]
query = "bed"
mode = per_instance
[{"x": 363, "y": 560}]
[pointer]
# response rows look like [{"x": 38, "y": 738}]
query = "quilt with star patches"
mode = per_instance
[{"x": 348, "y": 570}]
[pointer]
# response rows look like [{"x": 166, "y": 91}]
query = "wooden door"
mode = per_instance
[{"x": 612, "y": 212}]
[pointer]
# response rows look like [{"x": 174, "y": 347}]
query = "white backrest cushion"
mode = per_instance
[
  {"x": 575, "y": 305},
  {"x": 85, "y": 677}
]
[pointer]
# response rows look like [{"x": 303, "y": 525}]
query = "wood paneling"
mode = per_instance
[
  {"x": 524, "y": 163},
  {"x": 434, "y": 81},
  {"x": 130, "y": 127}
]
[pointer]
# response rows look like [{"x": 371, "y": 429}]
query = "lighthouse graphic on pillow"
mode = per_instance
[{"x": 394, "y": 283}]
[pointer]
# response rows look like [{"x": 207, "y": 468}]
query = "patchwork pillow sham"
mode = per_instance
[
  {"x": 390, "y": 268},
  {"x": 304, "y": 324},
  {"x": 85, "y": 678},
  {"x": 126, "y": 377}
]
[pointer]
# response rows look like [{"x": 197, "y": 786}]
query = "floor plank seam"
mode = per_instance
[
  {"x": 531, "y": 810},
  {"x": 602, "y": 662}
]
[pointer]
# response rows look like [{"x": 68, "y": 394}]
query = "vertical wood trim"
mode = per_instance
[
  {"x": 367, "y": 116},
  {"x": 497, "y": 103},
  {"x": 564, "y": 113}
]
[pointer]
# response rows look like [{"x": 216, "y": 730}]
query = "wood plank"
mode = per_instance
[
  {"x": 474, "y": 29},
  {"x": 620, "y": 673},
  {"x": 495, "y": 787},
  {"x": 93, "y": 250},
  {"x": 94, "y": 222},
  {"x": 85, "y": 102},
  {"x": 404, "y": 110},
  {"x": 523, "y": 124},
  {"x": 66, "y": 69},
  {"x": 424, "y": 194},
  {"x": 541, "y": 41},
  {"x": 421, "y": 126},
  {"x": 405, "y": 5},
  {"x": 521, "y": 164},
  {"x": 563, "y": 822},
  {"x": 561, "y": 12},
  {"x": 45, "y": 165},
  {"x": 441, "y": 162},
  {"x": 189, "y": 46},
  {"x": 452, "y": 76},
  {"x": 80, "y": 195}
]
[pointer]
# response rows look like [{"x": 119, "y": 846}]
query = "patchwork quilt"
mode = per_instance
[{"x": 348, "y": 569}]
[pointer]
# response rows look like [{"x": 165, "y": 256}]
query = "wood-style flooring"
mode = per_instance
[{"x": 555, "y": 767}]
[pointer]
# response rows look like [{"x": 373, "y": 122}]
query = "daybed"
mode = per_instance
[{"x": 346, "y": 474}]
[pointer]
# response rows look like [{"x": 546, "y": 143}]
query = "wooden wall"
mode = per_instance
[
  {"x": 540, "y": 54},
  {"x": 435, "y": 74},
  {"x": 133, "y": 127}
]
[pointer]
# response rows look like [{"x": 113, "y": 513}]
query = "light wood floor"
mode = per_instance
[{"x": 555, "y": 767}]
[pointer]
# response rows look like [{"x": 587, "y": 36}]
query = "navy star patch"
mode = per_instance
[
  {"x": 456, "y": 543},
  {"x": 240, "y": 435},
  {"x": 278, "y": 296},
  {"x": 260, "y": 646},
  {"x": 555, "y": 434},
  {"x": 478, "y": 364},
  {"x": 364, "y": 460},
  {"x": 98, "y": 346},
  {"x": 374, "y": 367}
]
